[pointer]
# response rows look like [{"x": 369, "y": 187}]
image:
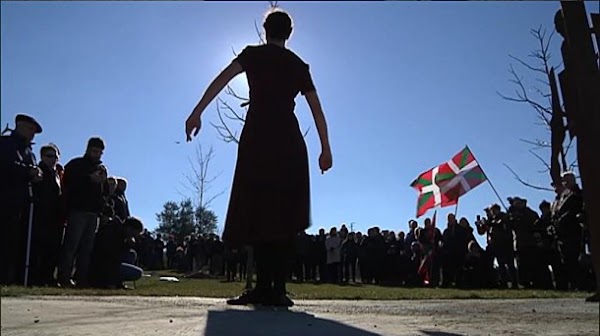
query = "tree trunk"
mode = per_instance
[{"x": 587, "y": 79}]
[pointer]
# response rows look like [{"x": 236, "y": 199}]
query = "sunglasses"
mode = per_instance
[{"x": 51, "y": 156}]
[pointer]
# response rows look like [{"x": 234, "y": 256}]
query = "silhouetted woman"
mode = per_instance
[{"x": 270, "y": 196}]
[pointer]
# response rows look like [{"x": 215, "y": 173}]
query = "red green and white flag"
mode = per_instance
[{"x": 444, "y": 184}]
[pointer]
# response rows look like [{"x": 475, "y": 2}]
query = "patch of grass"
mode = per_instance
[{"x": 215, "y": 288}]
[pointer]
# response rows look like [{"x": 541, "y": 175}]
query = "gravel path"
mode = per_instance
[{"x": 114, "y": 316}]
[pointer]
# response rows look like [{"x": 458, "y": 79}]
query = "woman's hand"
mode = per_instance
[
  {"x": 192, "y": 123},
  {"x": 325, "y": 160}
]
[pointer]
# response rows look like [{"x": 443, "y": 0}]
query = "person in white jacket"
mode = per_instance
[{"x": 333, "y": 244}]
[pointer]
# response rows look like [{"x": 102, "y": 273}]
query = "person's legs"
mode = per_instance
[
  {"x": 8, "y": 259},
  {"x": 572, "y": 264},
  {"x": 264, "y": 276},
  {"x": 52, "y": 255},
  {"x": 260, "y": 294},
  {"x": 73, "y": 233},
  {"x": 86, "y": 247},
  {"x": 130, "y": 272},
  {"x": 594, "y": 229},
  {"x": 36, "y": 256},
  {"x": 130, "y": 257},
  {"x": 346, "y": 269},
  {"x": 353, "y": 269},
  {"x": 280, "y": 252},
  {"x": 447, "y": 271},
  {"x": 250, "y": 268}
]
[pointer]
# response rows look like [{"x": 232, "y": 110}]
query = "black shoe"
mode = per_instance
[
  {"x": 280, "y": 300},
  {"x": 593, "y": 298},
  {"x": 249, "y": 297}
]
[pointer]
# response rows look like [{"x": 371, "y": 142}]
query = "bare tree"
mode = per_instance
[
  {"x": 227, "y": 113},
  {"x": 6, "y": 130},
  {"x": 541, "y": 101},
  {"x": 199, "y": 182}
]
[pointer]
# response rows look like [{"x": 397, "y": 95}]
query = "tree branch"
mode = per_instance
[
  {"x": 521, "y": 94},
  {"x": 261, "y": 39},
  {"x": 6, "y": 130},
  {"x": 546, "y": 164},
  {"x": 573, "y": 165},
  {"x": 525, "y": 183},
  {"x": 539, "y": 144},
  {"x": 569, "y": 146},
  {"x": 233, "y": 115},
  {"x": 306, "y": 133},
  {"x": 183, "y": 195},
  {"x": 530, "y": 67},
  {"x": 226, "y": 134},
  {"x": 538, "y": 62},
  {"x": 231, "y": 92},
  {"x": 198, "y": 181}
]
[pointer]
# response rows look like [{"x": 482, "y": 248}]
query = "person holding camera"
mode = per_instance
[
  {"x": 499, "y": 231},
  {"x": 84, "y": 178},
  {"x": 105, "y": 259},
  {"x": 132, "y": 229},
  {"x": 546, "y": 253},
  {"x": 522, "y": 219}
]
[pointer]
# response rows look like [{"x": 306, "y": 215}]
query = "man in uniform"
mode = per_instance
[{"x": 568, "y": 223}]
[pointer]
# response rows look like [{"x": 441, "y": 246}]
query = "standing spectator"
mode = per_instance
[
  {"x": 333, "y": 244},
  {"x": 350, "y": 257},
  {"x": 47, "y": 225},
  {"x": 83, "y": 180},
  {"x": 17, "y": 170},
  {"x": 159, "y": 250},
  {"x": 171, "y": 248}
]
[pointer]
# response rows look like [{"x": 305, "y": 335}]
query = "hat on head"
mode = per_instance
[
  {"x": 495, "y": 206},
  {"x": 519, "y": 199},
  {"x": 567, "y": 173},
  {"x": 96, "y": 143},
  {"x": 25, "y": 118}
]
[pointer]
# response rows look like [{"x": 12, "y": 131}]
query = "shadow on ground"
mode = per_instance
[
  {"x": 275, "y": 322},
  {"x": 438, "y": 333}
]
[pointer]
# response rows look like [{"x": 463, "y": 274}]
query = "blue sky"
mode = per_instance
[{"x": 404, "y": 86}]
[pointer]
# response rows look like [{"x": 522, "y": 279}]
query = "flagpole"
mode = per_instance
[
  {"x": 491, "y": 184},
  {"x": 433, "y": 248},
  {"x": 456, "y": 208}
]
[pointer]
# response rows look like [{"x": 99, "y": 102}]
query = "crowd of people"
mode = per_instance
[
  {"x": 79, "y": 219},
  {"x": 58, "y": 220},
  {"x": 524, "y": 249}
]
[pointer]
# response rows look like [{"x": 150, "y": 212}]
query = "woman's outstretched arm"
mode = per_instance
[{"x": 193, "y": 121}]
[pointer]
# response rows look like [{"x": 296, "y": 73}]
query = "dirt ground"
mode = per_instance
[{"x": 212, "y": 317}]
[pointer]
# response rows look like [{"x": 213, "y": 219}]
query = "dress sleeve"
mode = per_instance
[
  {"x": 306, "y": 82},
  {"x": 244, "y": 58}
]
